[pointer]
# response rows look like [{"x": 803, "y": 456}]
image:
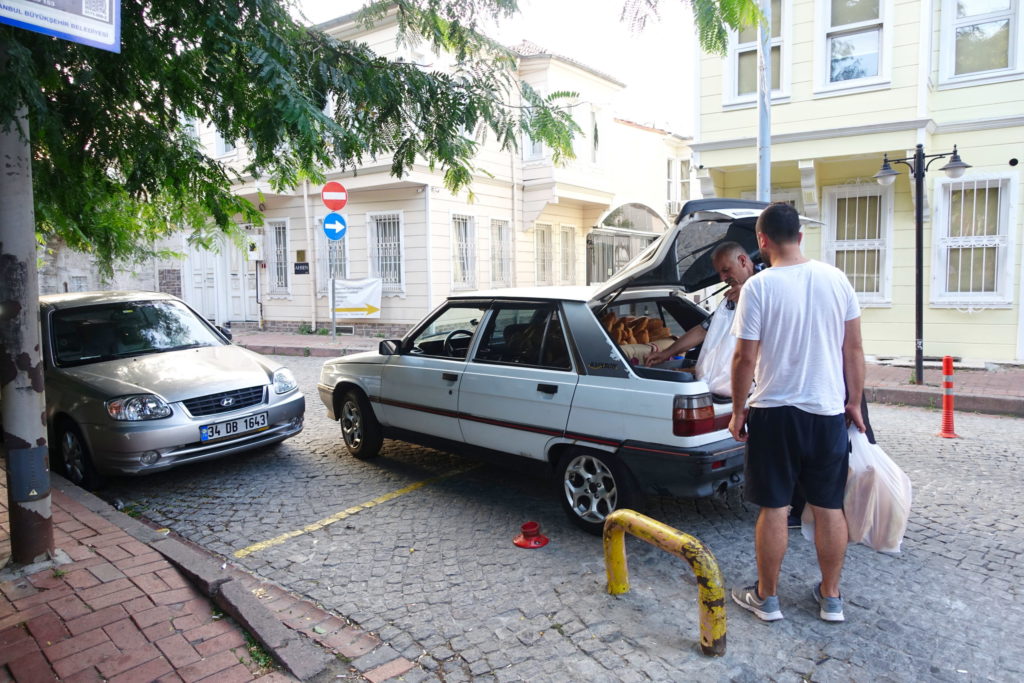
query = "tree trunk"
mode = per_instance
[{"x": 22, "y": 403}]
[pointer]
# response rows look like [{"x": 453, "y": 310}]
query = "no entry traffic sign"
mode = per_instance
[
  {"x": 334, "y": 196},
  {"x": 335, "y": 226}
]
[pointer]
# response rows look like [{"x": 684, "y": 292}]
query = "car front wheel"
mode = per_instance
[
  {"x": 359, "y": 426},
  {"x": 76, "y": 459},
  {"x": 592, "y": 485}
]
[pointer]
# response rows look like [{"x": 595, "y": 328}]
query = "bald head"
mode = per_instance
[{"x": 732, "y": 263}]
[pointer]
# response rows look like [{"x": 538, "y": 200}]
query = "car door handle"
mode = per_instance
[
  {"x": 449, "y": 376},
  {"x": 547, "y": 388}
]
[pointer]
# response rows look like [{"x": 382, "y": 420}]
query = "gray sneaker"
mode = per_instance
[
  {"x": 766, "y": 610},
  {"x": 830, "y": 609}
]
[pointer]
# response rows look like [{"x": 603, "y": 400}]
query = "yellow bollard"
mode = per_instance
[{"x": 711, "y": 591}]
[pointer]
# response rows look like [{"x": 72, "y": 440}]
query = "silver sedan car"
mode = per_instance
[{"x": 137, "y": 382}]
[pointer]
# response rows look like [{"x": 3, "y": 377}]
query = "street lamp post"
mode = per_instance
[{"x": 918, "y": 165}]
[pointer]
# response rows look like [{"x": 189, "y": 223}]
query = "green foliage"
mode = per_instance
[
  {"x": 712, "y": 19},
  {"x": 258, "y": 655},
  {"x": 117, "y": 165}
]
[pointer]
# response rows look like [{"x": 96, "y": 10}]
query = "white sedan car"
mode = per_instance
[{"x": 555, "y": 375}]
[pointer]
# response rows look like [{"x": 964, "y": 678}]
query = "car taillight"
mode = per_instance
[{"x": 692, "y": 415}]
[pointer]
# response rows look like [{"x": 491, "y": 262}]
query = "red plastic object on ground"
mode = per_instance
[
  {"x": 947, "y": 399},
  {"x": 531, "y": 537}
]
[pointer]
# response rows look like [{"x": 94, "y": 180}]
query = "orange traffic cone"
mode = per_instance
[{"x": 947, "y": 399}]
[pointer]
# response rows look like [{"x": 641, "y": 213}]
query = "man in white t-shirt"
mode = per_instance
[
  {"x": 714, "y": 364},
  {"x": 798, "y": 335}
]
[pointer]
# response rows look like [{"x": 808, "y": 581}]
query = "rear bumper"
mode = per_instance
[{"x": 684, "y": 472}]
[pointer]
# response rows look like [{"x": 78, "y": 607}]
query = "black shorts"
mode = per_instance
[{"x": 790, "y": 448}]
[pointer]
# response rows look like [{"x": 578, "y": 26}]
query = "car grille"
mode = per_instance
[{"x": 215, "y": 403}]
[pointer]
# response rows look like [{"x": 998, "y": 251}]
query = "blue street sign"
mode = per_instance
[
  {"x": 90, "y": 22},
  {"x": 335, "y": 226}
]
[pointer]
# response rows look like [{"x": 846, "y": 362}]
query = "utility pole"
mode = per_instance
[
  {"x": 764, "y": 105},
  {"x": 22, "y": 403}
]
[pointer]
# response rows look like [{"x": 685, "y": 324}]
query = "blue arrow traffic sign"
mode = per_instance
[{"x": 335, "y": 226}]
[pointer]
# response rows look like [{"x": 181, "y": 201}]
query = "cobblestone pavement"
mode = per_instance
[{"x": 435, "y": 574}]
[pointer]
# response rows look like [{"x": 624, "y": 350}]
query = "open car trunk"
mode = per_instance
[{"x": 681, "y": 258}]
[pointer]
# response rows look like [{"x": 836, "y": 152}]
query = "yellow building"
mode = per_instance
[{"x": 852, "y": 82}]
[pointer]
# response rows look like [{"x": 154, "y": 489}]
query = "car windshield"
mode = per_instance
[{"x": 116, "y": 330}]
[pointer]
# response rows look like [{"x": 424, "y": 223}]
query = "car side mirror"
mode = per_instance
[
  {"x": 389, "y": 347},
  {"x": 225, "y": 331}
]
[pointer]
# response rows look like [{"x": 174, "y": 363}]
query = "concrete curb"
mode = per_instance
[
  {"x": 1012, "y": 406},
  {"x": 318, "y": 351}
]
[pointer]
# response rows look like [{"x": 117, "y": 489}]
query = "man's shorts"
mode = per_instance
[{"x": 789, "y": 447}]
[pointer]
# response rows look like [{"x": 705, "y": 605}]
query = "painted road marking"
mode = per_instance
[{"x": 344, "y": 514}]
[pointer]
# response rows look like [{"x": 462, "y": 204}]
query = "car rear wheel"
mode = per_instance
[
  {"x": 75, "y": 457},
  {"x": 592, "y": 485},
  {"x": 359, "y": 426}
]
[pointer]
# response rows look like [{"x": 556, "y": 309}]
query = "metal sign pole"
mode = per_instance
[{"x": 334, "y": 315}]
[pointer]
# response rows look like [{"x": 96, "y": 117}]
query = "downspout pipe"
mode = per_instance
[
  {"x": 427, "y": 223},
  {"x": 311, "y": 243}
]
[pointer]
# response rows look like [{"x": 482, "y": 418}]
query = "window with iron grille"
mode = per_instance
[
  {"x": 463, "y": 252},
  {"x": 972, "y": 266},
  {"x": 386, "y": 256},
  {"x": 567, "y": 254},
  {"x": 331, "y": 259},
  {"x": 501, "y": 253},
  {"x": 858, "y": 238},
  {"x": 277, "y": 257},
  {"x": 542, "y": 245}
]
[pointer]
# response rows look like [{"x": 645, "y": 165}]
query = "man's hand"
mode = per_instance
[
  {"x": 853, "y": 416},
  {"x": 656, "y": 358},
  {"x": 733, "y": 293},
  {"x": 738, "y": 425}
]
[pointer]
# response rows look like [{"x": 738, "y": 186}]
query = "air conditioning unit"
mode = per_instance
[{"x": 672, "y": 208}]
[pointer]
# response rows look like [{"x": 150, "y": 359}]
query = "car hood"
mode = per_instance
[
  {"x": 364, "y": 357},
  {"x": 682, "y": 256},
  {"x": 177, "y": 375}
]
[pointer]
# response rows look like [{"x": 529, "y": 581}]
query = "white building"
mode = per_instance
[{"x": 524, "y": 221}]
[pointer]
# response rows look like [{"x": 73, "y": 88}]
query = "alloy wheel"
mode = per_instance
[{"x": 590, "y": 488}]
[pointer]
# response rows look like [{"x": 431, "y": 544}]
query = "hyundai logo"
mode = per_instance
[{"x": 227, "y": 401}]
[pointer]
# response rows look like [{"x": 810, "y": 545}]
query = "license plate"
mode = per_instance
[{"x": 220, "y": 430}]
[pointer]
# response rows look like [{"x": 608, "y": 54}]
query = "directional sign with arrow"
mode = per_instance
[
  {"x": 367, "y": 309},
  {"x": 335, "y": 226},
  {"x": 357, "y": 298}
]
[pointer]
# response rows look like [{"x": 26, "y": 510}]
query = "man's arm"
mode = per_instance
[
  {"x": 743, "y": 361},
  {"x": 695, "y": 335},
  {"x": 853, "y": 371}
]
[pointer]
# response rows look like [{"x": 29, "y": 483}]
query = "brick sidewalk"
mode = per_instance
[
  {"x": 126, "y": 603},
  {"x": 118, "y": 612}
]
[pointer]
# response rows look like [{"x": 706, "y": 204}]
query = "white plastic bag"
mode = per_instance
[
  {"x": 877, "y": 499},
  {"x": 714, "y": 365}
]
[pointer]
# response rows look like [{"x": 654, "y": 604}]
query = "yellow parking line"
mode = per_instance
[{"x": 344, "y": 514}]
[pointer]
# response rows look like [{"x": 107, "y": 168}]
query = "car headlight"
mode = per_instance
[
  {"x": 284, "y": 381},
  {"x": 141, "y": 407}
]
